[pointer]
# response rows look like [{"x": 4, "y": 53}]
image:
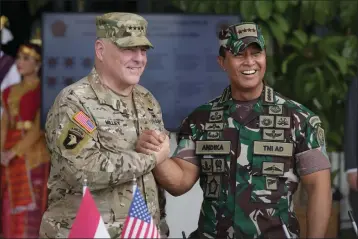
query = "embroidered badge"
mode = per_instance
[
  {"x": 74, "y": 136},
  {"x": 84, "y": 121}
]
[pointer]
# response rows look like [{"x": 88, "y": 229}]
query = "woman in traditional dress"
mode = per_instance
[{"x": 24, "y": 156}]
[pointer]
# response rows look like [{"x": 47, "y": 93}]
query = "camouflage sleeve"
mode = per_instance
[
  {"x": 311, "y": 155},
  {"x": 186, "y": 145},
  {"x": 81, "y": 155}
]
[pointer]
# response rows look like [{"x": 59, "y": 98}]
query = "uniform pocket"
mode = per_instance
[{"x": 268, "y": 178}]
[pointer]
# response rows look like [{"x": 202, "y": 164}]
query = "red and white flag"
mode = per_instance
[
  {"x": 88, "y": 222},
  {"x": 139, "y": 222}
]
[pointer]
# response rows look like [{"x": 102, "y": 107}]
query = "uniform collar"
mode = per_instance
[
  {"x": 268, "y": 96},
  {"x": 105, "y": 96}
]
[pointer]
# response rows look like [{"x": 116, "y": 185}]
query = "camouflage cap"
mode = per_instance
[
  {"x": 123, "y": 29},
  {"x": 237, "y": 37}
]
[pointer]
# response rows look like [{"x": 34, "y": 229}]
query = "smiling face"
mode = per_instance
[
  {"x": 246, "y": 70},
  {"x": 125, "y": 64}
]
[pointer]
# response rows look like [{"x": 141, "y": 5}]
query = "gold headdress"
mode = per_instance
[
  {"x": 28, "y": 50},
  {"x": 36, "y": 39},
  {"x": 4, "y": 22}
]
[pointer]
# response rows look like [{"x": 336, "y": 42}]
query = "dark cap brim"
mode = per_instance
[
  {"x": 250, "y": 40},
  {"x": 132, "y": 41}
]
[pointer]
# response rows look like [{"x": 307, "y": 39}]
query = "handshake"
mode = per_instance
[{"x": 154, "y": 142}]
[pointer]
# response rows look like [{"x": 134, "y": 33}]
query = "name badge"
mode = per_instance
[
  {"x": 273, "y": 148},
  {"x": 283, "y": 122},
  {"x": 213, "y": 147},
  {"x": 273, "y": 134}
]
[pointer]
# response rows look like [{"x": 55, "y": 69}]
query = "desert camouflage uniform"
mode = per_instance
[
  {"x": 251, "y": 157},
  {"x": 91, "y": 133}
]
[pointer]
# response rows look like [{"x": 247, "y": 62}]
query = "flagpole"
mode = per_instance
[
  {"x": 84, "y": 187},
  {"x": 134, "y": 180},
  {"x": 287, "y": 234}
]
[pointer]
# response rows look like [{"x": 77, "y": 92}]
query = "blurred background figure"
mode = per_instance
[
  {"x": 24, "y": 156},
  {"x": 8, "y": 71},
  {"x": 351, "y": 143}
]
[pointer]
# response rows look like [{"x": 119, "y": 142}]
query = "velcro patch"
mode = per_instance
[
  {"x": 84, "y": 121},
  {"x": 214, "y": 126},
  {"x": 216, "y": 116},
  {"x": 273, "y": 134},
  {"x": 266, "y": 121},
  {"x": 73, "y": 138},
  {"x": 213, "y": 135},
  {"x": 269, "y": 94},
  {"x": 283, "y": 122},
  {"x": 275, "y": 109},
  {"x": 273, "y": 148},
  {"x": 314, "y": 120},
  {"x": 320, "y": 136},
  {"x": 271, "y": 183},
  {"x": 273, "y": 168},
  {"x": 219, "y": 147}
]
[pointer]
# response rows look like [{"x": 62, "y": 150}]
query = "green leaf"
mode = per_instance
[
  {"x": 247, "y": 10},
  {"x": 287, "y": 61},
  {"x": 194, "y": 7},
  {"x": 323, "y": 11},
  {"x": 233, "y": 7},
  {"x": 301, "y": 36},
  {"x": 281, "y": 5},
  {"x": 268, "y": 38},
  {"x": 348, "y": 9},
  {"x": 314, "y": 39},
  {"x": 264, "y": 9},
  {"x": 277, "y": 33},
  {"x": 220, "y": 7},
  {"x": 295, "y": 43},
  {"x": 320, "y": 78},
  {"x": 282, "y": 22},
  {"x": 341, "y": 62},
  {"x": 307, "y": 11},
  {"x": 294, "y": 2}
]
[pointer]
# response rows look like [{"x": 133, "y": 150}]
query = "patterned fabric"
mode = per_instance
[
  {"x": 237, "y": 37},
  {"x": 23, "y": 181},
  {"x": 123, "y": 29},
  {"x": 104, "y": 156},
  {"x": 250, "y": 166}
]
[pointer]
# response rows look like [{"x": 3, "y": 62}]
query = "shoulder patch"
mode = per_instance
[
  {"x": 314, "y": 120},
  {"x": 320, "y": 136},
  {"x": 83, "y": 120},
  {"x": 73, "y": 138}
]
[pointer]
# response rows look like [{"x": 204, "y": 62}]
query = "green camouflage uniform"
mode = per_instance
[
  {"x": 91, "y": 133},
  {"x": 251, "y": 156}
]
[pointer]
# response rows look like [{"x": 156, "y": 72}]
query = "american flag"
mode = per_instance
[
  {"x": 84, "y": 121},
  {"x": 139, "y": 223}
]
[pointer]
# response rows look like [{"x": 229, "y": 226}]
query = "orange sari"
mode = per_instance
[{"x": 24, "y": 181}]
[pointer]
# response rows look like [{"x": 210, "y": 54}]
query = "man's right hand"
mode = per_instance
[
  {"x": 152, "y": 142},
  {"x": 353, "y": 180}
]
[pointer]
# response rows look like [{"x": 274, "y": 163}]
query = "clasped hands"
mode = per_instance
[{"x": 154, "y": 142}]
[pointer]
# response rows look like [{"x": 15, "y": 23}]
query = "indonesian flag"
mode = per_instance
[{"x": 88, "y": 222}]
